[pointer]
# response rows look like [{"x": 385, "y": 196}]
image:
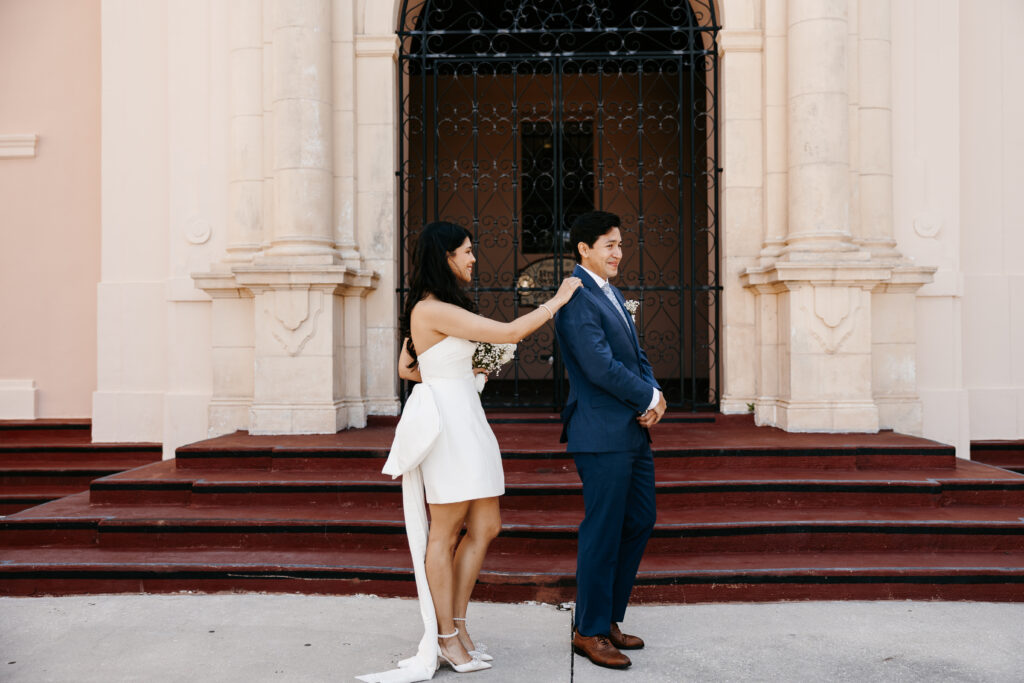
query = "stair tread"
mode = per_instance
[
  {"x": 63, "y": 447},
  {"x": 564, "y": 474},
  {"x": 397, "y": 560},
  {"x": 77, "y": 508},
  {"x": 740, "y": 433}
]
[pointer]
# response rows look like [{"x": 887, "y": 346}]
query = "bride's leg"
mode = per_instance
[
  {"x": 483, "y": 523},
  {"x": 445, "y": 524}
]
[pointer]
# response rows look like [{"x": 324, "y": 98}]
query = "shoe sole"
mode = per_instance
[{"x": 582, "y": 653}]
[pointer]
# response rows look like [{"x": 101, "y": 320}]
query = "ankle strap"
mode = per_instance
[
  {"x": 458, "y": 618},
  {"x": 449, "y": 635}
]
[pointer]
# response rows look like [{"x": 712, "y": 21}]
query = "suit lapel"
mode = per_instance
[
  {"x": 589, "y": 283},
  {"x": 632, "y": 325}
]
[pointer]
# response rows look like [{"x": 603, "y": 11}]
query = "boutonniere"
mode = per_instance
[{"x": 631, "y": 306}]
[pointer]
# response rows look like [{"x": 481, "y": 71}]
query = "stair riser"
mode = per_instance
[
  {"x": 10, "y": 507},
  {"x": 559, "y": 589},
  {"x": 843, "y": 540},
  {"x": 10, "y": 481},
  {"x": 21, "y": 537},
  {"x": 668, "y": 497},
  {"x": 724, "y": 459},
  {"x": 59, "y": 458},
  {"x": 131, "y": 496},
  {"x": 518, "y": 542},
  {"x": 10, "y": 434},
  {"x": 745, "y": 542},
  {"x": 309, "y": 539}
]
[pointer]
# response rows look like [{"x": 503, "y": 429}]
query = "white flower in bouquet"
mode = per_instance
[
  {"x": 631, "y": 306},
  {"x": 491, "y": 357}
]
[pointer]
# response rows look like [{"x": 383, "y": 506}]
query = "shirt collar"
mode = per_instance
[{"x": 601, "y": 282}]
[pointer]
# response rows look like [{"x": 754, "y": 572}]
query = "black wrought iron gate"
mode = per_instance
[{"x": 515, "y": 116}]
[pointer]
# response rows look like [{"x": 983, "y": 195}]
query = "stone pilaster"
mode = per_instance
[
  {"x": 245, "y": 130},
  {"x": 232, "y": 352}
]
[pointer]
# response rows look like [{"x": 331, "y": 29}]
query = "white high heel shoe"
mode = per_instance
[
  {"x": 472, "y": 665},
  {"x": 476, "y": 654}
]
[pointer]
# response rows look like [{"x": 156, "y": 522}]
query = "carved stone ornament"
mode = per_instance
[
  {"x": 294, "y": 314},
  {"x": 834, "y": 318}
]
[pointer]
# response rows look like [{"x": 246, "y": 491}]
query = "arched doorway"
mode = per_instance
[{"x": 516, "y": 116}]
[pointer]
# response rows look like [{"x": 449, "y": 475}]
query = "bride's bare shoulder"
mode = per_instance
[{"x": 431, "y": 306}]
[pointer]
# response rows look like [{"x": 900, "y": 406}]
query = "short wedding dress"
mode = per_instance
[
  {"x": 465, "y": 462},
  {"x": 444, "y": 448}
]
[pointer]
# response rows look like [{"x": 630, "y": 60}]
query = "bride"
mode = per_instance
[{"x": 461, "y": 465}]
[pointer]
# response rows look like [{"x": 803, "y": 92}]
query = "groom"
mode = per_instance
[{"x": 613, "y": 400}]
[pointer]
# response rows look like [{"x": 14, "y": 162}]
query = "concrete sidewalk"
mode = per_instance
[{"x": 254, "y": 638}]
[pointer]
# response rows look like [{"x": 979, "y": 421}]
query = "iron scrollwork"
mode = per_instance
[{"x": 516, "y": 115}]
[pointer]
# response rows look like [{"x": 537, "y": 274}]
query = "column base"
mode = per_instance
[
  {"x": 735, "y": 405},
  {"x": 227, "y": 416},
  {"x": 900, "y": 414},
  {"x": 818, "y": 416},
  {"x": 293, "y": 418},
  {"x": 313, "y": 418}
]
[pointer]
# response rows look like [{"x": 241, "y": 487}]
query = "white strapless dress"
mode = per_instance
[
  {"x": 443, "y": 446},
  {"x": 464, "y": 462}
]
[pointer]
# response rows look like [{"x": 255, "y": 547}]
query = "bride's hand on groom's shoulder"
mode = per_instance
[{"x": 568, "y": 288}]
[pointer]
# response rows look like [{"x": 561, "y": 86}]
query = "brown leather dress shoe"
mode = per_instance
[
  {"x": 599, "y": 650},
  {"x": 624, "y": 641}
]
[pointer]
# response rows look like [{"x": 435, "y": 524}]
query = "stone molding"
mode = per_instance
[
  {"x": 18, "y": 399},
  {"x": 377, "y": 46},
  {"x": 20, "y": 146},
  {"x": 740, "y": 41}
]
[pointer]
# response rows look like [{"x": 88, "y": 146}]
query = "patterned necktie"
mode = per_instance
[{"x": 607, "y": 289}]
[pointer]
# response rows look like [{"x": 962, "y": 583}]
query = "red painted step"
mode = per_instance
[
  {"x": 554, "y": 483},
  {"x": 744, "y": 513},
  {"x": 717, "y": 577},
  {"x": 43, "y": 460},
  {"x": 1006, "y": 454}
]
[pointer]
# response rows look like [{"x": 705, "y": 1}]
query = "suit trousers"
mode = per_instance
[{"x": 618, "y": 498}]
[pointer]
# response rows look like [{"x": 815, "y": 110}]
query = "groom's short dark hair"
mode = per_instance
[{"x": 588, "y": 227}]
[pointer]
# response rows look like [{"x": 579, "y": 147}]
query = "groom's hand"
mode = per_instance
[{"x": 654, "y": 415}]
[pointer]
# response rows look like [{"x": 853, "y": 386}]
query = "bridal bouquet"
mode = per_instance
[{"x": 491, "y": 357}]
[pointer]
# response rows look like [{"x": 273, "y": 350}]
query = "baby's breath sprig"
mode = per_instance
[
  {"x": 631, "y": 306},
  {"x": 491, "y": 357}
]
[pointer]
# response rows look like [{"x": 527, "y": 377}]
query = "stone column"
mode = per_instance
[
  {"x": 245, "y": 130},
  {"x": 819, "y": 183},
  {"x": 303, "y": 146}
]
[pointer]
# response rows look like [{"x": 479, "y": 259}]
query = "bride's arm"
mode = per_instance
[
  {"x": 453, "y": 321},
  {"x": 404, "y": 371}
]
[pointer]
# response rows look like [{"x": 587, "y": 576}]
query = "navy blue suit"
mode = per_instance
[{"x": 610, "y": 383}]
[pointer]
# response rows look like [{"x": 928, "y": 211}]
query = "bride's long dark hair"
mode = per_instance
[{"x": 431, "y": 274}]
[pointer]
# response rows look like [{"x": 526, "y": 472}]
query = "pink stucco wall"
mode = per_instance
[{"x": 50, "y": 204}]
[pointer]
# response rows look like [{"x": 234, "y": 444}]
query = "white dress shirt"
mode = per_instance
[{"x": 601, "y": 282}]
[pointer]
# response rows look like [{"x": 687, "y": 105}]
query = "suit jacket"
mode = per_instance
[{"x": 610, "y": 378}]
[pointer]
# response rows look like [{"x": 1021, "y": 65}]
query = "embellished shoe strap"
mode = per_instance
[
  {"x": 458, "y": 618},
  {"x": 449, "y": 635}
]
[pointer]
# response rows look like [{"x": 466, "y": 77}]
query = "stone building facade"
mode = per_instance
[{"x": 246, "y": 249}]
